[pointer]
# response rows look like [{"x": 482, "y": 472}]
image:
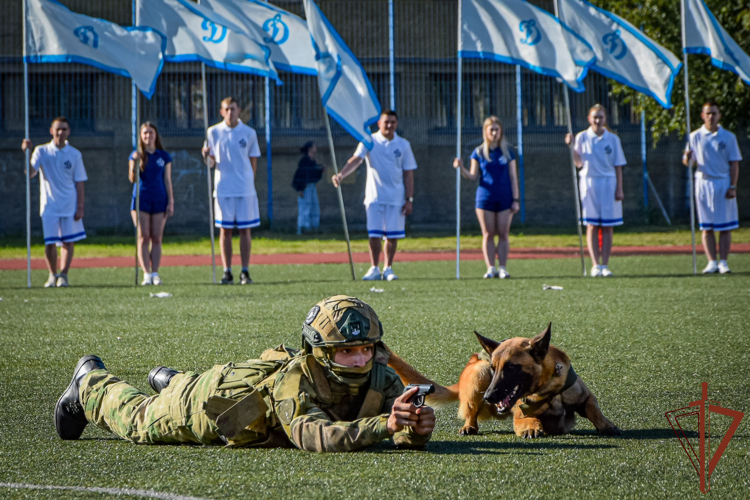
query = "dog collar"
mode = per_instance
[{"x": 530, "y": 407}]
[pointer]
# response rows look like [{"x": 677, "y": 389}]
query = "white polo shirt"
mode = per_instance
[
  {"x": 386, "y": 163},
  {"x": 232, "y": 149},
  {"x": 599, "y": 154},
  {"x": 60, "y": 170},
  {"x": 714, "y": 151}
]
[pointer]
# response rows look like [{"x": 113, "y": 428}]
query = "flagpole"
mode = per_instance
[
  {"x": 643, "y": 161},
  {"x": 458, "y": 151},
  {"x": 208, "y": 173},
  {"x": 687, "y": 120},
  {"x": 391, "y": 57},
  {"x": 134, "y": 143},
  {"x": 573, "y": 164},
  {"x": 519, "y": 126},
  {"x": 338, "y": 190},
  {"x": 27, "y": 168},
  {"x": 269, "y": 163}
]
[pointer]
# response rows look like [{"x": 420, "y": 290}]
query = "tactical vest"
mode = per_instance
[{"x": 244, "y": 413}]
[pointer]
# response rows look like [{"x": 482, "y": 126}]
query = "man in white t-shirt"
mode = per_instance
[
  {"x": 61, "y": 197},
  {"x": 718, "y": 157},
  {"x": 232, "y": 148},
  {"x": 389, "y": 192}
]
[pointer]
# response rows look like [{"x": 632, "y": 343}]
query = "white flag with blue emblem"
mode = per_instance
[
  {"x": 623, "y": 53},
  {"x": 344, "y": 87},
  {"x": 197, "y": 34},
  {"x": 516, "y": 32},
  {"x": 706, "y": 36},
  {"x": 281, "y": 31},
  {"x": 54, "y": 34}
]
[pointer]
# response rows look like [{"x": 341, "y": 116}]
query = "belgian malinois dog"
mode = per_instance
[{"x": 526, "y": 378}]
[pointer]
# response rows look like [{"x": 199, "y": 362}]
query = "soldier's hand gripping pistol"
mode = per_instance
[{"x": 422, "y": 391}]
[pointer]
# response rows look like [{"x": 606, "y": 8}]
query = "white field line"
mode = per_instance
[{"x": 108, "y": 491}]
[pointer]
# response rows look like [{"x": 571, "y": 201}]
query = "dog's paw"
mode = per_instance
[
  {"x": 610, "y": 431},
  {"x": 468, "y": 430},
  {"x": 531, "y": 433}
]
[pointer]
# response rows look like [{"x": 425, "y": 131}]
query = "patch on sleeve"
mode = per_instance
[{"x": 286, "y": 411}]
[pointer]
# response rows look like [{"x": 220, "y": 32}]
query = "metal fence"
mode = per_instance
[{"x": 418, "y": 77}]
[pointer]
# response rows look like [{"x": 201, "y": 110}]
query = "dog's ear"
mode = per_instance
[
  {"x": 489, "y": 345},
  {"x": 540, "y": 344}
]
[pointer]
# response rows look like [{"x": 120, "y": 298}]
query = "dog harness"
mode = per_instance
[{"x": 530, "y": 407}]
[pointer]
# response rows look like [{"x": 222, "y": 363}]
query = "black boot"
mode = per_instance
[
  {"x": 70, "y": 419},
  {"x": 159, "y": 377}
]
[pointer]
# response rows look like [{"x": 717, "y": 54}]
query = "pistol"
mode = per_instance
[{"x": 422, "y": 391}]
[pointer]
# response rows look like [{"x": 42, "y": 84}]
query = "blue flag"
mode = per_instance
[
  {"x": 281, "y": 31},
  {"x": 623, "y": 53},
  {"x": 517, "y": 32},
  {"x": 197, "y": 34},
  {"x": 54, "y": 34},
  {"x": 344, "y": 87},
  {"x": 706, "y": 36}
]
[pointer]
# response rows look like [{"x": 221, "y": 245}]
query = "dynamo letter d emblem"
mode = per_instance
[
  {"x": 533, "y": 35},
  {"x": 87, "y": 34}
]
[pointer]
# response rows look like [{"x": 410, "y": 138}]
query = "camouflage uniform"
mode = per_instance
[{"x": 283, "y": 399}]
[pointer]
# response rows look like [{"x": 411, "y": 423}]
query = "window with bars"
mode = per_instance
[
  {"x": 482, "y": 95},
  {"x": 72, "y": 95},
  {"x": 177, "y": 104}
]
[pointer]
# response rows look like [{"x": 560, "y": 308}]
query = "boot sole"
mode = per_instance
[{"x": 58, "y": 413}]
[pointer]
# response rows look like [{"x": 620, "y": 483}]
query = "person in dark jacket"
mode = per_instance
[{"x": 308, "y": 173}]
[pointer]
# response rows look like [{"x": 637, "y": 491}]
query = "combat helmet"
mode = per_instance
[{"x": 340, "y": 321}]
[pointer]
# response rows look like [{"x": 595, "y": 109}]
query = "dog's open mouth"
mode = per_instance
[{"x": 507, "y": 403}]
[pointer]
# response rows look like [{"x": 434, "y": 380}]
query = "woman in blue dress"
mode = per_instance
[
  {"x": 494, "y": 164},
  {"x": 156, "y": 199}
]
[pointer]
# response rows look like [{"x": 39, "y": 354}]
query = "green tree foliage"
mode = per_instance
[{"x": 660, "y": 20}]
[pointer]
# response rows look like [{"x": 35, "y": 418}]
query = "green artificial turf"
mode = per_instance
[
  {"x": 643, "y": 341},
  {"x": 265, "y": 242}
]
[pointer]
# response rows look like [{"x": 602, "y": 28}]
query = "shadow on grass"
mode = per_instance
[
  {"x": 655, "y": 434},
  {"x": 527, "y": 447}
]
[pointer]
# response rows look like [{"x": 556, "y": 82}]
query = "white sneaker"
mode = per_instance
[
  {"x": 596, "y": 271},
  {"x": 502, "y": 273},
  {"x": 724, "y": 267},
  {"x": 606, "y": 272},
  {"x": 372, "y": 275},
  {"x": 491, "y": 272},
  {"x": 62, "y": 281},
  {"x": 146, "y": 279},
  {"x": 389, "y": 275},
  {"x": 711, "y": 268},
  {"x": 51, "y": 281},
  {"x": 155, "y": 279}
]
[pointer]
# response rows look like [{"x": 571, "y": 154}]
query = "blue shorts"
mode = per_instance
[
  {"x": 151, "y": 206},
  {"x": 494, "y": 206}
]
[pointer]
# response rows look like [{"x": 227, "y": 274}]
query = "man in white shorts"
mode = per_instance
[
  {"x": 233, "y": 150},
  {"x": 61, "y": 197},
  {"x": 718, "y": 157},
  {"x": 389, "y": 192}
]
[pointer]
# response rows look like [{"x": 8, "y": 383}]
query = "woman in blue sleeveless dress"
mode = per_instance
[
  {"x": 494, "y": 164},
  {"x": 156, "y": 199}
]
